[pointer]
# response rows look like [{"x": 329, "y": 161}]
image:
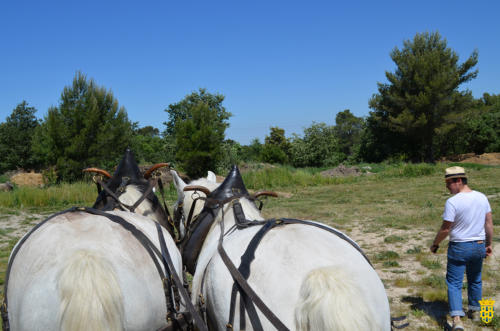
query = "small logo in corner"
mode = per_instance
[{"x": 486, "y": 310}]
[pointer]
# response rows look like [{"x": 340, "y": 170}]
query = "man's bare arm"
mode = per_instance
[
  {"x": 488, "y": 228},
  {"x": 441, "y": 235}
]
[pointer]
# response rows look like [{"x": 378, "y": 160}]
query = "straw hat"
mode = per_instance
[{"x": 455, "y": 172}]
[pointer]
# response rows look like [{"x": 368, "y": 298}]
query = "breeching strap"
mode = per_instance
[
  {"x": 169, "y": 264},
  {"x": 244, "y": 269},
  {"x": 243, "y": 284}
]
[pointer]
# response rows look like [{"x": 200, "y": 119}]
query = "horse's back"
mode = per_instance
[
  {"x": 36, "y": 289},
  {"x": 286, "y": 258}
]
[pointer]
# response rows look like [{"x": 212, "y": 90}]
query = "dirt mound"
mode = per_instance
[
  {"x": 458, "y": 157},
  {"x": 28, "y": 179},
  {"x": 486, "y": 158},
  {"x": 341, "y": 171}
]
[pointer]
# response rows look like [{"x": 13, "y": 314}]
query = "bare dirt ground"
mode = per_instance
[
  {"x": 16, "y": 225},
  {"x": 404, "y": 281}
]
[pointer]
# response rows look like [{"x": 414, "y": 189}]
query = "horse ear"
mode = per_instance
[
  {"x": 178, "y": 183},
  {"x": 211, "y": 177}
]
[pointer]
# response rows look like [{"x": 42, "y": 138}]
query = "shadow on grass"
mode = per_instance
[{"x": 437, "y": 310}]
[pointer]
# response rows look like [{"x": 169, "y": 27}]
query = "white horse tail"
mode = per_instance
[
  {"x": 91, "y": 298},
  {"x": 330, "y": 300}
]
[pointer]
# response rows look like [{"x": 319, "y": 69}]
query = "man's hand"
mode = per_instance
[
  {"x": 489, "y": 250},
  {"x": 434, "y": 248}
]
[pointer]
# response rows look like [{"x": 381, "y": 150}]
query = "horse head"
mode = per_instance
[
  {"x": 199, "y": 188},
  {"x": 126, "y": 188},
  {"x": 212, "y": 192}
]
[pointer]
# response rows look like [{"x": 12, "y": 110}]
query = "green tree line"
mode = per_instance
[{"x": 418, "y": 115}]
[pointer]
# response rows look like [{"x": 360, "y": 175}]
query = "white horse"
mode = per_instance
[
  {"x": 310, "y": 278},
  {"x": 82, "y": 271}
]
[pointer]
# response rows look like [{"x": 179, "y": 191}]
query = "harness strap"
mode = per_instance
[
  {"x": 244, "y": 268},
  {"x": 239, "y": 278},
  {"x": 144, "y": 195},
  {"x": 116, "y": 198},
  {"x": 171, "y": 310},
  {"x": 253, "y": 296},
  {"x": 169, "y": 264},
  {"x": 112, "y": 194},
  {"x": 399, "y": 319}
]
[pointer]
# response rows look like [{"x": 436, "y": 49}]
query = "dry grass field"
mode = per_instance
[{"x": 392, "y": 216}]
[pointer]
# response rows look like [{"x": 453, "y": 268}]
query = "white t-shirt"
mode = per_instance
[{"x": 467, "y": 211}]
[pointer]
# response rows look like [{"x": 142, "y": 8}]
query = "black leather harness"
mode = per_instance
[
  {"x": 197, "y": 231},
  {"x": 104, "y": 191},
  {"x": 176, "y": 319},
  {"x": 197, "y": 228}
]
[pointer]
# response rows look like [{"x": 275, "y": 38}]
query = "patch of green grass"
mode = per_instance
[
  {"x": 55, "y": 196},
  {"x": 4, "y": 256},
  {"x": 29, "y": 220},
  {"x": 414, "y": 250},
  {"x": 421, "y": 272},
  {"x": 391, "y": 264},
  {"x": 431, "y": 264},
  {"x": 393, "y": 238},
  {"x": 435, "y": 295},
  {"x": 386, "y": 255},
  {"x": 411, "y": 170},
  {"x": 5, "y": 231},
  {"x": 286, "y": 176},
  {"x": 392, "y": 221},
  {"x": 434, "y": 281},
  {"x": 403, "y": 282}
]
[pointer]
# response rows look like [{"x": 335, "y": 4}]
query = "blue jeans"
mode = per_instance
[{"x": 468, "y": 257}]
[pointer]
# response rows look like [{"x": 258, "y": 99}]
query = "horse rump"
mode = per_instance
[
  {"x": 91, "y": 298},
  {"x": 330, "y": 300}
]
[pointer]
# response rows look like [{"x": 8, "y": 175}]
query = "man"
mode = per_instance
[{"x": 467, "y": 219}]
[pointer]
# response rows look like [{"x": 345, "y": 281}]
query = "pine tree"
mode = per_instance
[
  {"x": 15, "y": 138},
  {"x": 197, "y": 124},
  {"x": 421, "y": 100},
  {"x": 86, "y": 129}
]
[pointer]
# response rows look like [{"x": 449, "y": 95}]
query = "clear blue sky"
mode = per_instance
[{"x": 278, "y": 63}]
